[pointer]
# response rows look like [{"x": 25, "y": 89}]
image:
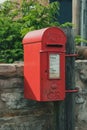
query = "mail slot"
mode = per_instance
[{"x": 44, "y": 64}]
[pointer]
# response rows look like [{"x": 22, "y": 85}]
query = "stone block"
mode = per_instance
[
  {"x": 81, "y": 96},
  {"x": 11, "y": 70},
  {"x": 11, "y": 83}
]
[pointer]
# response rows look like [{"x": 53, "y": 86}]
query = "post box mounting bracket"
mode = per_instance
[
  {"x": 72, "y": 90},
  {"x": 71, "y": 55}
]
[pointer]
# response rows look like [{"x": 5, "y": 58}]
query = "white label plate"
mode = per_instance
[{"x": 54, "y": 66}]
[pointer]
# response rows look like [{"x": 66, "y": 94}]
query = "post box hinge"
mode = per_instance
[
  {"x": 71, "y": 55},
  {"x": 72, "y": 90}
]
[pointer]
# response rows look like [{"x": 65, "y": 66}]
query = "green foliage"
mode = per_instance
[
  {"x": 10, "y": 56},
  {"x": 67, "y": 24},
  {"x": 78, "y": 40},
  {"x": 10, "y": 36},
  {"x": 16, "y": 20},
  {"x": 37, "y": 16}
]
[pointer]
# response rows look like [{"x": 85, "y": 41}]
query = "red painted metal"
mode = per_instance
[
  {"x": 39, "y": 46},
  {"x": 71, "y": 55},
  {"x": 72, "y": 91}
]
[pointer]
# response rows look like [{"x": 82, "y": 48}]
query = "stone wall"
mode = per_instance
[
  {"x": 17, "y": 113},
  {"x": 81, "y": 96}
]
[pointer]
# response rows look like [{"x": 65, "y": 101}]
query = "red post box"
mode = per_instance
[{"x": 44, "y": 64}]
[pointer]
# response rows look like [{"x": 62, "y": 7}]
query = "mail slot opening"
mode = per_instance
[{"x": 54, "y": 45}]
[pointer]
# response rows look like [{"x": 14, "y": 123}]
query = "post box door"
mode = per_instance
[{"x": 52, "y": 76}]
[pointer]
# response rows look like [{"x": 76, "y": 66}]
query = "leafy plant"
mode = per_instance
[
  {"x": 78, "y": 40},
  {"x": 67, "y": 24},
  {"x": 37, "y": 16},
  {"x": 16, "y": 20}
]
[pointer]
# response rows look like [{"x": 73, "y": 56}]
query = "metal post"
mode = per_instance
[{"x": 70, "y": 82}]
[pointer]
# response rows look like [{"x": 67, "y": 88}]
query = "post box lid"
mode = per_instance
[{"x": 53, "y": 34}]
